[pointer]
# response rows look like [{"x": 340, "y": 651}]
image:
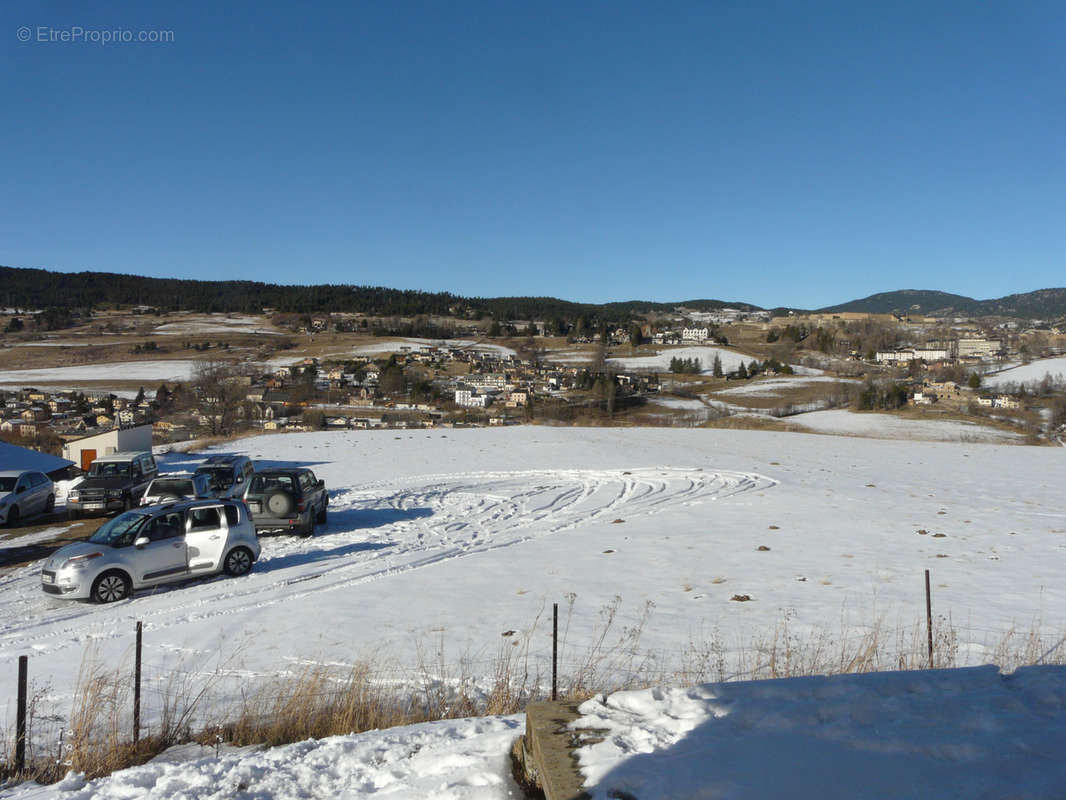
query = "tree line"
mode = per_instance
[{"x": 43, "y": 289}]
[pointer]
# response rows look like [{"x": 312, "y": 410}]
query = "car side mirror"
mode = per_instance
[
  {"x": 321, "y": 484},
  {"x": 140, "y": 542}
]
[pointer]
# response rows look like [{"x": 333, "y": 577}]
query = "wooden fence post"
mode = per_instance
[
  {"x": 20, "y": 724},
  {"x": 555, "y": 651},
  {"x": 137, "y": 689},
  {"x": 929, "y": 617}
]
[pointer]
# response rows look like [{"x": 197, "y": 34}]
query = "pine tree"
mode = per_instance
[{"x": 716, "y": 370}]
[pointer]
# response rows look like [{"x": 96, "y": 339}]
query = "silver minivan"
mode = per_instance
[{"x": 154, "y": 545}]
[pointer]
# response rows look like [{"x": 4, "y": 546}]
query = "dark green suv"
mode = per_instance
[{"x": 286, "y": 499}]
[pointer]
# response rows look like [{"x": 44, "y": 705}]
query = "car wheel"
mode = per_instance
[
  {"x": 308, "y": 528},
  {"x": 13, "y": 517},
  {"x": 50, "y": 504},
  {"x": 321, "y": 518},
  {"x": 111, "y": 587},
  {"x": 238, "y": 562},
  {"x": 279, "y": 504}
]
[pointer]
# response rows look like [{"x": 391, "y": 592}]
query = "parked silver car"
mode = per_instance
[
  {"x": 154, "y": 545},
  {"x": 24, "y": 493},
  {"x": 169, "y": 487}
]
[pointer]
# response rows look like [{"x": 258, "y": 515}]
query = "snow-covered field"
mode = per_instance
[
  {"x": 449, "y": 539},
  {"x": 394, "y": 345},
  {"x": 889, "y": 426},
  {"x": 174, "y": 370},
  {"x": 217, "y": 323},
  {"x": 1030, "y": 373},
  {"x": 680, "y": 403},
  {"x": 773, "y": 386},
  {"x": 661, "y": 361},
  {"x": 467, "y": 534}
]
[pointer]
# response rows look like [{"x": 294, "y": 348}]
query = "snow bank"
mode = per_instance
[
  {"x": 944, "y": 733},
  {"x": 452, "y": 760}
]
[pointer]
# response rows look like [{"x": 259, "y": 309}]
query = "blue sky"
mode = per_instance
[{"x": 796, "y": 154}]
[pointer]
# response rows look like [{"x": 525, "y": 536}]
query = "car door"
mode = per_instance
[
  {"x": 164, "y": 557},
  {"x": 142, "y": 476},
  {"x": 24, "y": 495},
  {"x": 321, "y": 498},
  {"x": 307, "y": 491},
  {"x": 40, "y": 487},
  {"x": 205, "y": 537}
]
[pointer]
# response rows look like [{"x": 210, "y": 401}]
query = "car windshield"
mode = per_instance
[
  {"x": 119, "y": 531},
  {"x": 178, "y": 486},
  {"x": 104, "y": 469},
  {"x": 261, "y": 484},
  {"x": 7, "y": 484},
  {"x": 221, "y": 477}
]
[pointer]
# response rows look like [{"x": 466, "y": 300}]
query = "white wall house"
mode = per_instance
[{"x": 121, "y": 440}]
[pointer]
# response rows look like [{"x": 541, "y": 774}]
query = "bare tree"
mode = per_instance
[{"x": 220, "y": 392}]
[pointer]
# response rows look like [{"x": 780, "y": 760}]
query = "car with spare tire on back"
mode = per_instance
[{"x": 286, "y": 499}]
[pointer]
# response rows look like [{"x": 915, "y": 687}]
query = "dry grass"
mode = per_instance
[{"x": 323, "y": 700}]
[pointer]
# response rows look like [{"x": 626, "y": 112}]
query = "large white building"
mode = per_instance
[
  {"x": 695, "y": 334},
  {"x": 468, "y": 398},
  {"x": 977, "y": 346}
]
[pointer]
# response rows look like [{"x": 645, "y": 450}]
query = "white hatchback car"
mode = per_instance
[
  {"x": 153, "y": 545},
  {"x": 23, "y": 494}
]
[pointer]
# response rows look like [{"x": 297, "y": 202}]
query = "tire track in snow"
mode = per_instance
[{"x": 465, "y": 514}]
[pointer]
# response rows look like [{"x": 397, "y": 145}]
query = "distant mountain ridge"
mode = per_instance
[
  {"x": 1040, "y": 304},
  {"x": 40, "y": 288}
]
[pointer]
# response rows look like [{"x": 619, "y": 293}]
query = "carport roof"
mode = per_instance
[{"x": 15, "y": 457}]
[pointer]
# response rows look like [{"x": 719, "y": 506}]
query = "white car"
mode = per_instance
[
  {"x": 23, "y": 494},
  {"x": 154, "y": 545}
]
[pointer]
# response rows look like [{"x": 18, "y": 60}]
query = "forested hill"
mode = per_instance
[
  {"x": 38, "y": 288},
  {"x": 43, "y": 289},
  {"x": 1041, "y": 304}
]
